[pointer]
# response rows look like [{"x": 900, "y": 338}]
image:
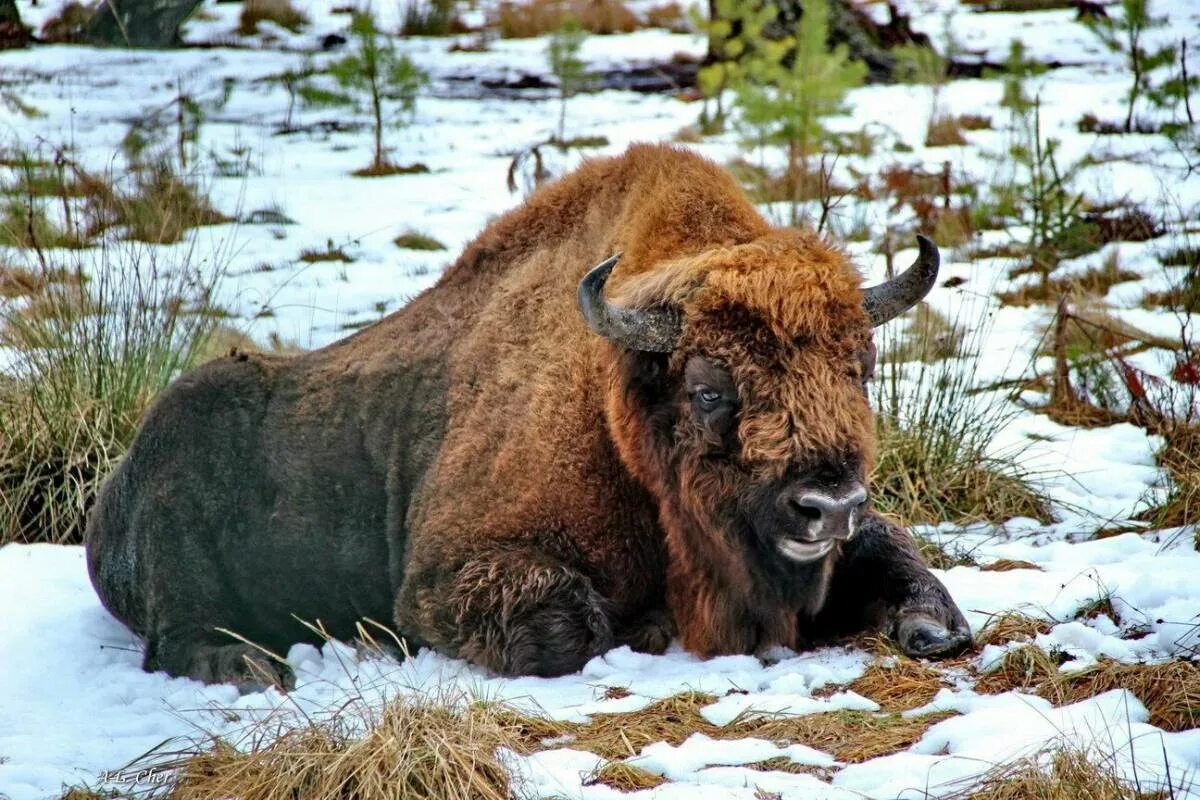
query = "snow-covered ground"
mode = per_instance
[{"x": 73, "y": 701}]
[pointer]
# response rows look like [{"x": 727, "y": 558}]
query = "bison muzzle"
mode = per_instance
[{"x": 551, "y": 452}]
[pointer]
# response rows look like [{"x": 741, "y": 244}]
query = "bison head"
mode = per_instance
[{"x": 737, "y": 395}]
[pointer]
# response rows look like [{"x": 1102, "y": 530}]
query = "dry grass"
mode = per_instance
[
  {"x": 899, "y": 683},
  {"x": 1011, "y": 626},
  {"x": 1092, "y": 328},
  {"x": 89, "y": 352},
  {"x": 539, "y": 17},
  {"x": 917, "y": 484},
  {"x": 415, "y": 240},
  {"x": 331, "y": 253},
  {"x": 1181, "y": 458},
  {"x": 281, "y": 12},
  {"x": 68, "y": 24},
  {"x": 849, "y": 736},
  {"x": 764, "y": 186},
  {"x": 1064, "y": 773},
  {"x": 670, "y": 15},
  {"x": 943, "y": 132},
  {"x": 616, "y": 736},
  {"x": 385, "y": 169},
  {"x": 1169, "y": 690},
  {"x": 418, "y": 748},
  {"x": 1026, "y": 668},
  {"x": 1095, "y": 281},
  {"x": 929, "y": 337},
  {"x": 1008, "y": 565},
  {"x": 624, "y": 777}
]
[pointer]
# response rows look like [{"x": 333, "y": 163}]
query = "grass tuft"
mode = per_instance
[
  {"x": 311, "y": 255},
  {"x": 1170, "y": 690},
  {"x": 1062, "y": 773},
  {"x": 418, "y": 748},
  {"x": 1011, "y": 626},
  {"x": 281, "y": 12},
  {"x": 1008, "y": 565},
  {"x": 899, "y": 683},
  {"x": 935, "y": 461},
  {"x": 944, "y": 132},
  {"x": 415, "y": 240},
  {"x": 522, "y": 20},
  {"x": 90, "y": 351},
  {"x": 617, "y": 736},
  {"x": 624, "y": 777},
  {"x": 849, "y": 736}
]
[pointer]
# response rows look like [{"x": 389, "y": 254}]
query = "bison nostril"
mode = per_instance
[
  {"x": 807, "y": 511},
  {"x": 829, "y": 515}
]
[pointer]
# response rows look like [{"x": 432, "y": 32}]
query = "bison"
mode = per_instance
[{"x": 522, "y": 485}]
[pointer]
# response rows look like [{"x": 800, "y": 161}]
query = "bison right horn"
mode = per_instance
[
  {"x": 891, "y": 299},
  {"x": 654, "y": 331}
]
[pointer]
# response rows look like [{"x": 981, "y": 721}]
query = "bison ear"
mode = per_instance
[
  {"x": 651, "y": 330},
  {"x": 891, "y": 299}
]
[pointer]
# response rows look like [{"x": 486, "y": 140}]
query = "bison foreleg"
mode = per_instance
[
  {"x": 883, "y": 583},
  {"x": 517, "y": 612}
]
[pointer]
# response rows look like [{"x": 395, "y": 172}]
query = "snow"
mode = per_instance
[{"x": 74, "y": 702}]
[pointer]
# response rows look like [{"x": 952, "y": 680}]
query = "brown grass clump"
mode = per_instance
[
  {"x": 624, "y": 777},
  {"x": 1061, "y": 774},
  {"x": 1027, "y": 668},
  {"x": 1008, "y": 565},
  {"x": 522, "y": 20},
  {"x": 418, "y": 748},
  {"x": 850, "y": 736},
  {"x": 385, "y": 169},
  {"x": 415, "y": 240},
  {"x": 670, "y": 15},
  {"x": 68, "y": 24},
  {"x": 764, "y": 186},
  {"x": 899, "y": 683},
  {"x": 1170, "y": 690},
  {"x": 929, "y": 337},
  {"x": 1181, "y": 458},
  {"x": 1011, "y": 626},
  {"x": 616, "y": 736},
  {"x": 944, "y": 131},
  {"x": 312, "y": 256},
  {"x": 1095, "y": 281},
  {"x": 281, "y": 12}
]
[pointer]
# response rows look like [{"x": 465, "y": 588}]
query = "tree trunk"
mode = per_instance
[
  {"x": 12, "y": 33},
  {"x": 139, "y": 23}
]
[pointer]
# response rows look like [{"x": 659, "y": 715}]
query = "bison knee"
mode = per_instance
[{"x": 517, "y": 616}]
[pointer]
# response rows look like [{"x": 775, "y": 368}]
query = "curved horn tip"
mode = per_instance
[
  {"x": 892, "y": 298},
  {"x": 654, "y": 330}
]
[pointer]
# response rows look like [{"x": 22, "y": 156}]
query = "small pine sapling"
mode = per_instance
[
  {"x": 375, "y": 73},
  {"x": 1126, "y": 36},
  {"x": 562, "y": 54},
  {"x": 733, "y": 28},
  {"x": 785, "y": 103}
]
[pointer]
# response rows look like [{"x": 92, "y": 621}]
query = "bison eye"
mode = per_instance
[{"x": 708, "y": 397}]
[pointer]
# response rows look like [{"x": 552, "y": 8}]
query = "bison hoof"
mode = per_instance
[
  {"x": 244, "y": 666},
  {"x": 922, "y": 636}
]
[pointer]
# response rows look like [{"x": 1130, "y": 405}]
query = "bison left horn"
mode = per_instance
[
  {"x": 651, "y": 330},
  {"x": 889, "y": 300}
]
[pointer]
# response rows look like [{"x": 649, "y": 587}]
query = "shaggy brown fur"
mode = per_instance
[{"x": 529, "y": 494}]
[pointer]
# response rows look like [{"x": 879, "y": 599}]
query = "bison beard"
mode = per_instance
[{"x": 503, "y": 484}]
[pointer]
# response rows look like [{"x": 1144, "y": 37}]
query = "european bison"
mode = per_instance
[{"x": 513, "y": 482}]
